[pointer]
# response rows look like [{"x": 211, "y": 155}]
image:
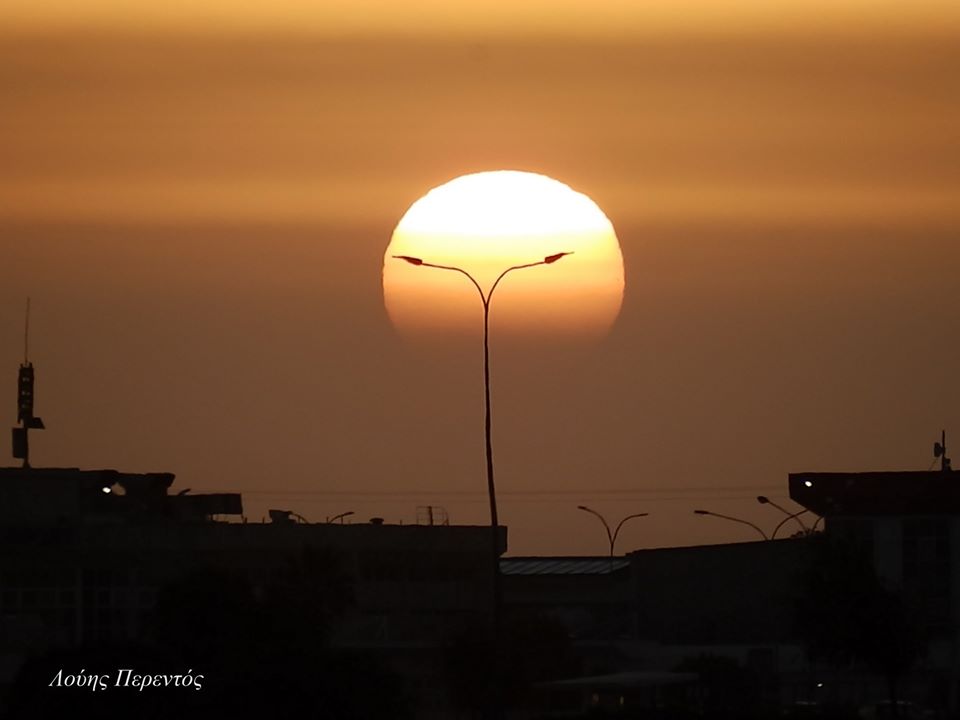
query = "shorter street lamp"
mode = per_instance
[
  {"x": 611, "y": 536},
  {"x": 764, "y": 500},
  {"x": 339, "y": 517},
  {"x": 732, "y": 519},
  {"x": 788, "y": 518}
]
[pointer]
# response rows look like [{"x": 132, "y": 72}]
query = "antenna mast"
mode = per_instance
[
  {"x": 25, "y": 417},
  {"x": 26, "y": 334}
]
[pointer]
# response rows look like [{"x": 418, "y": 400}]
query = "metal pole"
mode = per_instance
[{"x": 491, "y": 486}]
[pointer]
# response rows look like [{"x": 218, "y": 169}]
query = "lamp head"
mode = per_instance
[
  {"x": 763, "y": 499},
  {"x": 411, "y": 260},
  {"x": 701, "y": 512},
  {"x": 550, "y": 259},
  {"x": 582, "y": 507}
]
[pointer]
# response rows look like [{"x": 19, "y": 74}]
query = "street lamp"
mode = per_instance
[
  {"x": 485, "y": 299},
  {"x": 788, "y": 518},
  {"x": 733, "y": 519},
  {"x": 764, "y": 500},
  {"x": 611, "y": 536}
]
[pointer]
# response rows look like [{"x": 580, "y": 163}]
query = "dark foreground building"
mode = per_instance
[
  {"x": 102, "y": 570},
  {"x": 88, "y": 557},
  {"x": 832, "y": 621},
  {"x": 647, "y": 627},
  {"x": 907, "y": 524}
]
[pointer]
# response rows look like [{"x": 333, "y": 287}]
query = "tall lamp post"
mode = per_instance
[
  {"x": 491, "y": 491},
  {"x": 611, "y": 535},
  {"x": 732, "y": 519}
]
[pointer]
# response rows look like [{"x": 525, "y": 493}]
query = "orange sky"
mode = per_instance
[
  {"x": 198, "y": 201},
  {"x": 470, "y": 17},
  {"x": 309, "y": 130}
]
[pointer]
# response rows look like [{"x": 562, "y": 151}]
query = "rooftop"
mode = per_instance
[
  {"x": 562, "y": 565},
  {"x": 878, "y": 493}
]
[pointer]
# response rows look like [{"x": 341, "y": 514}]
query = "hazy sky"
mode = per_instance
[
  {"x": 197, "y": 196},
  {"x": 500, "y": 17}
]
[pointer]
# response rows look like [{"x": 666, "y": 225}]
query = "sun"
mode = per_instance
[{"x": 487, "y": 222}]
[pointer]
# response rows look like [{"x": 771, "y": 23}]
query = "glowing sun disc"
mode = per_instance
[{"x": 486, "y": 222}]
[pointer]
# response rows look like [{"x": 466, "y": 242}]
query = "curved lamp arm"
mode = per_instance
[
  {"x": 610, "y": 535},
  {"x": 484, "y": 297},
  {"x": 420, "y": 263},
  {"x": 787, "y": 519},
  {"x": 764, "y": 500},
  {"x": 620, "y": 524}
]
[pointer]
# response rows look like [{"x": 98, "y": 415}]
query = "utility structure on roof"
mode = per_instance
[
  {"x": 940, "y": 451},
  {"x": 26, "y": 420}
]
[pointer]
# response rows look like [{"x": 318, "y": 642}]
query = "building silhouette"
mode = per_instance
[
  {"x": 87, "y": 557},
  {"x": 85, "y": 554}
]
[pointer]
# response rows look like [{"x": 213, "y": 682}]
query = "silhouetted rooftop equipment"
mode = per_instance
[
  {"x": 432, "y": 515},
  {"x": 940, "y": 451},
  {"x": 877, "y": 493},
  {"x": 286, "y": 517},
  {"x": 38, "y": 496},
  {"x": 910, "y": 492},
  {"x": 281, "y": 517}
]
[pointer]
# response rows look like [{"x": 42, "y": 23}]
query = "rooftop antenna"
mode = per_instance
[
  {"x": 940, "y": 451},
  {"x": 25, "y": 416},
  {"x": 26, "y": 334}
]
